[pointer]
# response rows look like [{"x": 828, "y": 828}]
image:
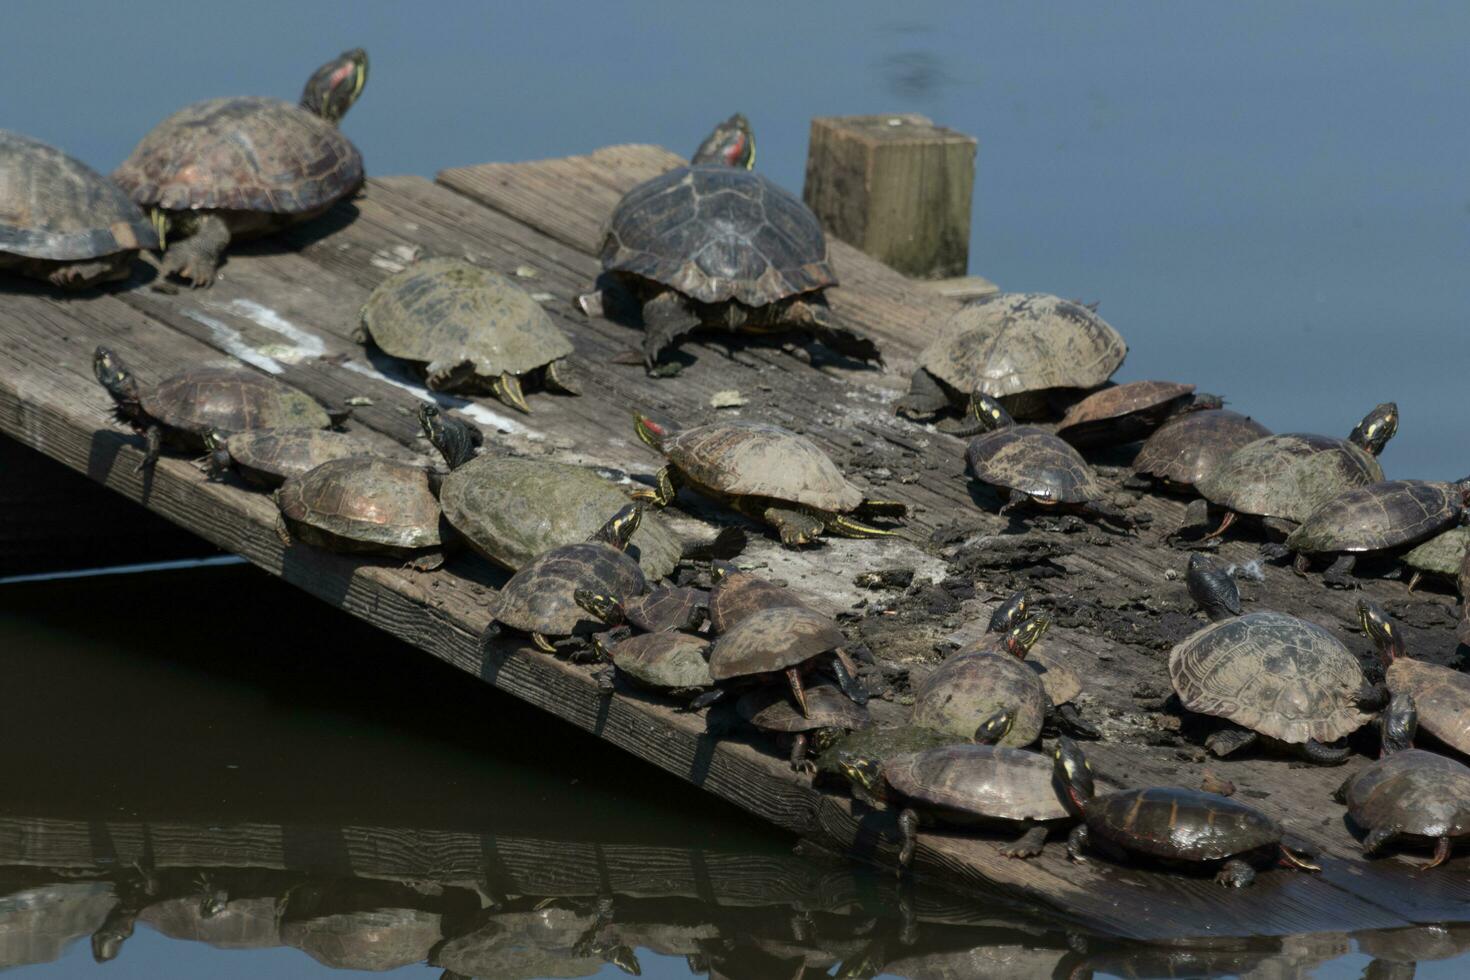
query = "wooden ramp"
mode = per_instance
[{"x": 289, "y": 307}]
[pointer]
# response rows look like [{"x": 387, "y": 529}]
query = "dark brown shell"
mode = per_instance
[
  {"x": 1121, "y": 413},
  {"x": 738, "y": 594},
  {"x": 1415, "y": 791},
  {"x": 981, "y": 780},
  {"x": 771, "y": 709},
  {"x": 380, "y": 504},
  {"x": 1035, "y": 462},
  {"x": 773, "y": 639},
  {"x": 1179, "y": 824},
  {"x": 1441, "y": 697},
  {"x": 970, "y": 687},
  {"x": 1060, "y": 681},
  {"x": 716, "y": 234},
  {"x": 667, "y": 661},
  {"x": 665, "y": 608},
  {"x": 242, "y": 154},
  {"x": 1187, "y": 449},
  {"x": 1379, "y": 516},
  {"x": 541, "y": 597},
  {"x": 1281, "y": 676},
  {"x": 267, "y": 457},
  {"x": 1288, "y": 475},
  {"x": 754, "y": 459},
  {"x": 53, "y": 206},
  {"x": 231, "y": 400}
]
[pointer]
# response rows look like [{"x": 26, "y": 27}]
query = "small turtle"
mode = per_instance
[
  {"x": 1034, "y": 466},
  {"x": 475, "y": 329},
  {"x": 1408, "y": 793},
  {"x": 1440, "y": 555},
  {"x": 1284, "y": 478},
  {"x": 1019, "y": 348},
  {"x": 1275, "y": 677},
  {"x": 540, "y": 599},
  {"x": 1212, "y": 587},
  {"x": 765, "y": 472},
  {"x": 268, "y": 457},
  {"x": 970, "y": 687},
  {"x": 367, "y": 505},
  {"x": 1188, "y": 448},
  {"x": 737, "y": 594},
  {"x": 61, "y": 221},
  {"x": 1441, "y": 694},
  {"x": 182, "y": 410},
  {"x": 810, "y": 727},
  {"x": 782, "y": 641},
  {"x": 657, "y": 611},
  {"x": 1128, "y": 412},
  {"x": 1061, "y": 682},
  {"x": 674, "y": 664},
  {"x": 1171, "y": 825},
  {"x": 233, "y": 168}
]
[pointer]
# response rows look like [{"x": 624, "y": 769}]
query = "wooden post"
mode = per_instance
[{"x": 897, "y": 187}]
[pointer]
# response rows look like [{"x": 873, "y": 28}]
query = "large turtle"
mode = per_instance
[
  {"x": 1187, "y": 449},
  {"x": 1441, "y": 694},
  {"x": 713, "y": 244},
  {"x": 61, "y": 221},
  {"x": 186, "y": 409},
  {"x": 367, "y": 505},
  {"x": 1125, "y": 413},
  {"x": 825, "y": 713},
  {"x": 237, "y": 167},
  {"x": 1272, "y": 676},
  {"x": 1020, "y": 348},
  {"x": 765, "y": 472},
  {"x": 970, "y": 687},
  {"x": 473, "y": 328},
  {"x": 1440, "y": 555},
  {"x": 268, "y": 457}
]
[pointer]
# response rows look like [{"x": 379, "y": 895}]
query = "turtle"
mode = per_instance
[
  {"x": 233, "y": 168},
  {"x": 1019, "y": 348},
  {"x": 1171, "y": 825},
  {"x": 781, "y": 641},
  {"x": 1440, "y": 555},
  {"x": 671, "y": 663},
  {"x": 737, "y": 594},
  {"x": 1033, "y": 466},
  {"x": 1275, "y": 677},
  {"x": 345, "y": 936},
  {"x": 1381, "y": 517},
  {"x": 660, "y": 610},
  {"x": 1187, "y": 448},
  {"x": 473, "y": 328},
  {"x": 765, "y": 472},
  {"x": 511, "y": 509},
  {"x": 880, "y": 743},
  {"x": 268, "y": 457},
  {"x": 1212, "y": 588},
  {"x": 971, "y": 686},
  {"x": 183, "y": 409},
  {"x": 1441, "y": 694},
  {"x": 1128, "y": 412},
  {"x": 367, "y": 505},
  {"x": 540, "y": 598},
  {"x": 1408, "y": 792},
  {"x": 1284, "y": 478},
  {"x": 1009, "y": 613},
  {"x": 810, "y": 727},
  {"x": 61, "y": 221},
  {"x": 713, "y": 244}
]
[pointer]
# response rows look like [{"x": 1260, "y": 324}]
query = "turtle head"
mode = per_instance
[
  {"x": 454, "y": 439},
  {"x": 1023, "y": 636},
  {"x": 114, "y": 375},
  {"x": 652, "y": 429},
  {"x": 995, "y": 728},
  {"x": 1381, "y": 630},
  {"x": 332, "y": 88},
  {"x": 618, "y": 531},
  {"x": 989, "y": 413},
  {"x": 719, "y": 569},
  {"x": 1073, "y": 773},
  {"x": 864, "y": 772},
  {"x": 1377, "y": 427},
  {"x": 1008, "y": 613},
  {"x": 1399, "y": 723},
  {"x": 601, "y": 605},
  {"x": 730, "y": 144}
]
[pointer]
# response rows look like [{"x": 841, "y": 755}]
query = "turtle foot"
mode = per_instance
[{"x": 1236, "y": 874}]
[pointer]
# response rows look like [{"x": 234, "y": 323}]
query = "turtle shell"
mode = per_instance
[
  {"x": 541, "y": 597},
  {"x": 970, "y": 687},
  {"x": 511, "y": 510},
  {"x": 773, "y": 639},
  {"x": 771, "y": 709},
  {"x": 1415, "y": 791},
  {"x": 230, "y": 400},
  {"x": 1060, "y": 681},
  {"x": 1379, "y": 516},
  {"x": 268, "y": 457},
  {"x": 738, "y": 594},
  {"x": 665, "y": 661},
  {"x": 979, "y": 780},
  {"x": 1288, "y": 475},
  {"x": 1121, "y": 413},
  {"x": 716, "y": 234},
  {"x": 363, "y": 503},
  {"x": 1035, "y": 462},
  {"x": 1281, "y": 676},
  {"x": 242, "y": 154},
  {"x": 754, "y": 459},
  {"x": 665, "y": 609},
  {"x": 1441, "y": 554},
  {"x": 1014, "y": 343},
  {"x": 53, "y": 206},
  {"x": 1187, "y": 449},
  {"x": 1173, "y": 823},
  {"x": 451, "y": 312},
  {"x": 1441, "y": 696}
]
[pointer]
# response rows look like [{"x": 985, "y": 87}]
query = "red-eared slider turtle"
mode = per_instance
[
  {"x": 540, "y": 599},
  {"x": 1019, "y": 348},
  {"x": 675, "y": 664},
  {"x": 1032, "y": 465},
  {"x": 61, "y": 221},
  {"x": 367, "y": 505},
  {"x": 656, "y": 611},
  {"x": 782, "y": 642},
  {"x": 715, "y": 245},
  {"x": 184, "y": 409},
  {"x": 1171, "y": 825},
  {"x": 268, "y": 457},
  {"x": 1379, "y": 517},
  {"x": 1286, "y": 477},
  {"x": 1273, "y": 676},
  {"x": 1440, "y": 555},
  {"x": 765, "y": 472},
  {"x": 511, "y": 509},
  {"x": 1186, "y": 449},
  {"x": 1128, "y": 412},
  {"x": 737, "y": 594},
  {"x": 1212, "y": 587},
  {"x": 825, "y": 713},
  {"x": 970, "y": 687},
  {"x": 473, "y": 328},
  {"x": 232, "y": 168},
  {"x": 1441, "y": 694},
  {"x": 1060, "y": 681},
  {"x": 1408, "y": 793}
]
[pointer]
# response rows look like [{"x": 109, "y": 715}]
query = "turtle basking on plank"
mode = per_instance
[
  {"x": 737, "y": 594},
  {"x": 656, "y": 611},
  {"x": 670, "y": 663},
  {"x": 1441, "y": 694},
  {"x": 1186, "y": 449},
  {"x": 970, "y": 687},
  {"x": 1128, "y": 412},
  {"x": 268, "y": 457},
  {"x": 367, "y": 505},
  {"x": 781, "y": 643}
]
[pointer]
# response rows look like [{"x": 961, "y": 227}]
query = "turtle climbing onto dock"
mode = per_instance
[
  {"x": 62, "y": 222},
  {"x": 1060, "y": 681},
  {"x": 226, "y": 169},
  {"x": 970, "y": 687},
  {"x": 367, "y": 505},
  {"x": 1441, "y": 694},
  {"x": 809, "y": 728}
]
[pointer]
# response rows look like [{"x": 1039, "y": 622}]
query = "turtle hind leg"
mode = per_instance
[
  {"x": 846, "y": 682},
  {"x": 94, "y": 272},
  {"x": 1442, "y": 848},
  {"x": 1339, "y": 574},
  {"x": 796, "y": 527},
  {"x": 196, "y": 259},
  {"x": 818, "y": 319},
  {"x": 553, "y": 379},
  {"x": 507, "y": 388},
  {"x": 1069, "y": 720},
  {"x": 1315, "y": 751},
  {"x": 1028, "y": 845},
  {"x": 1236, "y": 873},
  {"x": 666, "y": 317},
  {"x": 1229, "y": 740},
  {"x": 799, "y": 761},
  {"x": 1225, "y": 523}
]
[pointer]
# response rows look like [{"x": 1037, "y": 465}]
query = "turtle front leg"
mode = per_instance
[
  {"x": 1225, "y": 523},
  {"x": 1014, "y": 500},
  {"x": 908, "y": 829},
  {"x": 196, "y": 259},
  {"x": 1077, "y": 842},
  {"x": 430, "y": 562},
  {"x": 1028, "y": 845},
  {"x": 1329, "y": 755},
  {"x": 153, "y": 448},
  {"x": 667, "y": 490},
  {"x": 1229, "y": 740},
  {"x": 818, "y": 319},
  {"x": 1339, "y": 574},
  {"x": 925, "y": 399},
  {"x": 82, "y": 275},
  {"x": 795, "y": 527},
  {"x": 666, "y": 317},
  {"x": 552, "y": 378},
  {"x": 1235, "y": 873},
  {"x": 799, "y": 761},
  {"x": 507, "y": 388}
]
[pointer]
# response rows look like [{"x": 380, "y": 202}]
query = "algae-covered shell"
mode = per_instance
[
  {"x": 1289, "y": 475},
  {"x": 666, "y": 661},
  {"x": 363, "y": 504},
  {"x": 1441, "y": 554},
  {"x": 970, "y": 687},
  {"x": 1187, "y": 449},
  {"x": 755, "y": 459},
  {"x": 980, "y": 780}
]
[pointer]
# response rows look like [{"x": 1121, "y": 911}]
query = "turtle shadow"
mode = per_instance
[
  {"x": 104, "y": 453},
  {"x": 306, "y": 233}
]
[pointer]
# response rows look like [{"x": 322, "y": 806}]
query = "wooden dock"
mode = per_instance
[{"x": 289, "y": 306}]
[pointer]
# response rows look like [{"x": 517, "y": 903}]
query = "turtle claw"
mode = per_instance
[
  {"x": 507, "y": 388},
  {"x": 542, "y": 643}
]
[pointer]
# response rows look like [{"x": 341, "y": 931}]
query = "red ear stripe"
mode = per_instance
[
  {"x": 734, "y": 152},
  {"x": 340, "y": 75}
]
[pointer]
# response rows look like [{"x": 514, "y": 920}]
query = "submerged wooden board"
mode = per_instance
[{"x": 289, "y": 307}]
